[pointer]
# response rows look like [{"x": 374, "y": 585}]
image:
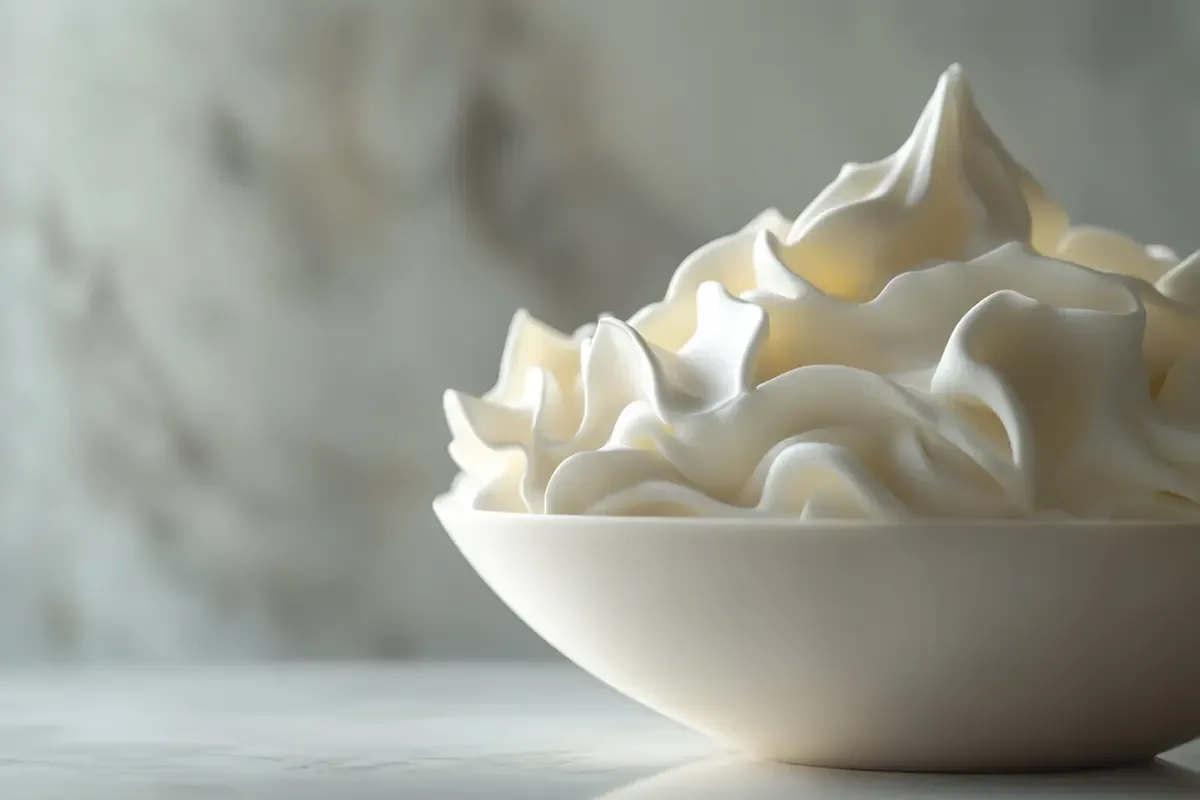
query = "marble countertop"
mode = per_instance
[{"x": 423, "y": 731}]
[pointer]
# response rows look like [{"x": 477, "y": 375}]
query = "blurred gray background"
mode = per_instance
[{"x": 245, "y": 245}]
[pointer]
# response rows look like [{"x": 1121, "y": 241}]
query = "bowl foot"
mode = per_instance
[{"x": 967, "y": 766}]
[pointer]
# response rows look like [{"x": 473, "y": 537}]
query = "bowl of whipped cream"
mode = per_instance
[{"x": 908, "y": 482}]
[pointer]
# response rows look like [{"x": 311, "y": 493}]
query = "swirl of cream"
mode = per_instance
[
  {"x": 950, "y": 193},
  {"x": 930, "y": 337}
]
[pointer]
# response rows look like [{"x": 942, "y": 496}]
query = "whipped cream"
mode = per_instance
[{"x": 931, "y": 337}]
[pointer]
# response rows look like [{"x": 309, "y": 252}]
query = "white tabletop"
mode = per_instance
[{"x": 431, "y": 731}]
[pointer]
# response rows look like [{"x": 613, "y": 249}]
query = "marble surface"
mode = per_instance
[{"x": 427, "y": 731}]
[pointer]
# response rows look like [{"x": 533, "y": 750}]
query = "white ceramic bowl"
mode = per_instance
[{"x": 974, "y": 646}]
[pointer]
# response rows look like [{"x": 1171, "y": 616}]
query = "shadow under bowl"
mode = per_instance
[{"x": 973, "y": 646}]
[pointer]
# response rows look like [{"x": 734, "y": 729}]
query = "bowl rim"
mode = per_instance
[{"x": 444, "y": 506}]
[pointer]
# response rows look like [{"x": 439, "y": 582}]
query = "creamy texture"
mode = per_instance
[{"x": 931, "y": 337}]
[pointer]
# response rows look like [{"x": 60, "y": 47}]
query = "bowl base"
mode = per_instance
[{"x": 982, "y": 767}]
